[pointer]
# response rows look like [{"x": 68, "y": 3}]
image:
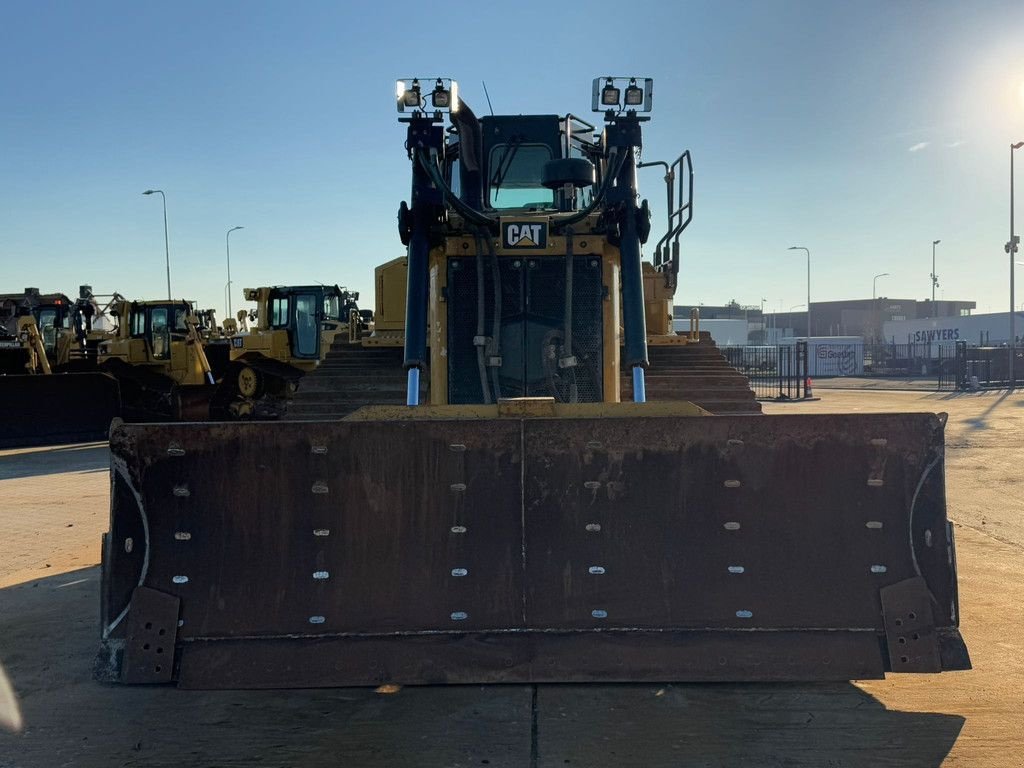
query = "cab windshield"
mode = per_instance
[{"x": 516, "y": 174}]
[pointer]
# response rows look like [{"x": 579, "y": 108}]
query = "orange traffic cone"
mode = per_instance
[{"x": 808, "y": 387}]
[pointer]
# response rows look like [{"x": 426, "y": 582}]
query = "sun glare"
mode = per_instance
[{"x": 10, "y": 712}]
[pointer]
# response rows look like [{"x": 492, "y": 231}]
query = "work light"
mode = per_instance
[
  {"x": 444, "y": 97},
  {"x": 608, "y": 94},
  {"x": 634, "y": 94},
  {"x": 408, "y": 95}
]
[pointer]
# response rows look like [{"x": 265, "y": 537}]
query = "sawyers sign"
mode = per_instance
[{"x": 936, "y": 334}]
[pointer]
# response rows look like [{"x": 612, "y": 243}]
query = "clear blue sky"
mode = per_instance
[{"x": 861, "y": 130}]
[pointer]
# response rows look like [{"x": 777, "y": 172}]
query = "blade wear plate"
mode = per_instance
[{"x": 532, "y": 549}]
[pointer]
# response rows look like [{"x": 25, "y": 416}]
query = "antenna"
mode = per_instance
[{"x": 484, "y": 83}]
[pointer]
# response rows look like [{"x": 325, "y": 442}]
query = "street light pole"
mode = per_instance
[
  {"x": 795, "y": 306},
  {"x": 227, "y": 243},
  {"x": 1011, "y": 249},
  {"x": 801, "y": 248},
  {"x": 874, "y": 302},
  {"x": 935, "y": 278},
  {"x": 874, "y": 284},
  {"x": 167, "y": 242}
]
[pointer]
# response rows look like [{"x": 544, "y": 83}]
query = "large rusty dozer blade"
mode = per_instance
[
  {"x": 56, "y": 409},
  {"x": 475, "y": 550}
]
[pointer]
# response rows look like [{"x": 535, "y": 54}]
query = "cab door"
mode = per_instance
[
  {"x": 159, "y": 336},
  {"x": 185, "y": 367},
  {"x": 306, "y": 314},
  {"x": 48, "y": 322}
]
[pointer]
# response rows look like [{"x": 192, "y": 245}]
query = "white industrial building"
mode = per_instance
[
  {"x": 977, "y": 330},
  {"x": 726, "y": 333}
]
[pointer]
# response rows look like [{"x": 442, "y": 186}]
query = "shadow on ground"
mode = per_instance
[
  {"x": 89, "y": 457},
  {"x": 765, "y": 725},
  {"x": 981, "y": 421},
  {"x": 48, "y": 635}
]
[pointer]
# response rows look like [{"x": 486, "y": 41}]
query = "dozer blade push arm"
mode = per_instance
[
  {"x": 29, "y": 332},
  {"x": 624, "y": 136},
  {"x": 196, "y": 341},
  {"x": 425, "y": 142}
]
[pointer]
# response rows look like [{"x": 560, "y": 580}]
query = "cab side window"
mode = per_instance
[{"x": 279, "y": 312}]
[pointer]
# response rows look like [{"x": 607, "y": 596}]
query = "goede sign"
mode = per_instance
[{"x": 836, "y": 353}]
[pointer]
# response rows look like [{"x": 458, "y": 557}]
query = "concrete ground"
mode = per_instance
[
  {"x": 916, "y": 383},
  {"x": 53, "y": 509}
]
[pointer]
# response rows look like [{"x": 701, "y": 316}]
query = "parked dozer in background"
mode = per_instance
[
  {"x": 294, "y": 327},
  {"x": 50, "y": 389},
  {"x": 157, "y": 357},
  {"x": 51, "y": 313},
  {"x": 513, "y": 520}
]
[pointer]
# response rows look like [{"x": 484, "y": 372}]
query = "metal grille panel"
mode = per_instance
[{"x": 532, "y": 334}]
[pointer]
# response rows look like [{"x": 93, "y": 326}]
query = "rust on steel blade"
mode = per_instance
[{"x": 506, "y": 536}]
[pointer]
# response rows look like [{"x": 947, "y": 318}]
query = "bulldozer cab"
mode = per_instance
[
  {"x": 51, "y": 319},
  {"x": 533, "y": 278},
  {"x": 301, "y": 313},
  {"x": 159, "y": 326},
  {"x": 295, "y": 324}
]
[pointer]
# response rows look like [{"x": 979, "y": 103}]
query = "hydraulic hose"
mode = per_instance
[
  {"x": 480, "y": 340},
  {"x": 434, "y": 173},
  {"x": 568, "y": 360},
  {"x": 495, "y": 350}
]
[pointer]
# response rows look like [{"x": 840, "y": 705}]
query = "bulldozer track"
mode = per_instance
[
  {"x": 352, "y": 376},
  {"x": 698, "y": 373}
]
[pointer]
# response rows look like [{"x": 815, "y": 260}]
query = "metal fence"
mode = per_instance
[
  {"x": 986, "y": 367},
  {"x": 775, "y": 372},
  {"x": 780, "y": 372},
  {"x": 907, "y": 360},
  {"x": 956, "y": 366}
]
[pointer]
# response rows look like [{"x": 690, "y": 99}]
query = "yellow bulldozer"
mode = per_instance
[
  {"x": 157, "y": 356},
  {"x": 292, "y": 328},
  {"x": 48, "y": 345},
  {"x": 50, "y": 388},
  {"x": 524, "y": 507}
]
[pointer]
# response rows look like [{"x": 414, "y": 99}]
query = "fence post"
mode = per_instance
[
  {"x": 802, "y": 369},
  {"x": 960, "y": 366},
  {"x": 778, "y": 368}
]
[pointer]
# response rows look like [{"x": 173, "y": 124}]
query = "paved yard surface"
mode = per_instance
[
  {"x": 53, "y": 509},
  {"x": 918, "y": 383}
]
